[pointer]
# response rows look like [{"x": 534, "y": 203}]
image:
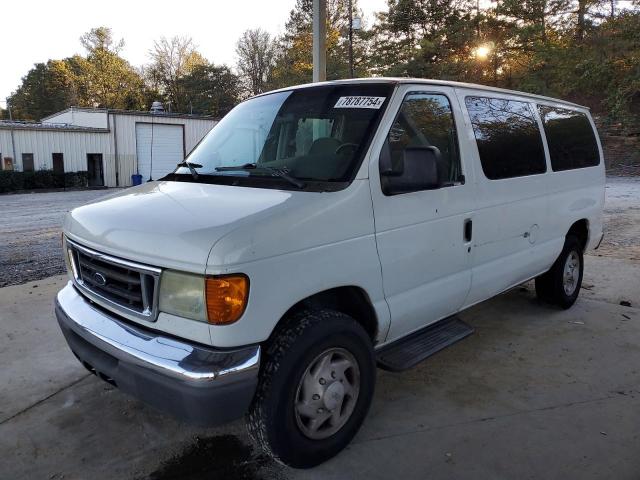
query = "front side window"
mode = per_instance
[
  {"x": 423, "y": 123},
  {"x": 316, "y": 134},
  {"x": 570, "y": 137},
  {"x": 508, "y": 138}
]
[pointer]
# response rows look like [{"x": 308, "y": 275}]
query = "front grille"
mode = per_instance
[{"x": 125, "y": 286}]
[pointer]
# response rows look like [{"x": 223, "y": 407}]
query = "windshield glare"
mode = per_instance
[{"x": 316, "y": 133}]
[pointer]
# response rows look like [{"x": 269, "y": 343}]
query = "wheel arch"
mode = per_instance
[
  {"x": 580, "y": 229},
  {"x": 349, "y": 299}
]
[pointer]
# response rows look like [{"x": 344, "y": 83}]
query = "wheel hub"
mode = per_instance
[
  {"x": 333, "y": 396},
  {"x": 571, "y": 273},
  {"x": 327, "y": 393}
]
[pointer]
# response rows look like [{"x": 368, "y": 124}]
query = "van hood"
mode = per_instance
[{"x": 171, "y": 224}]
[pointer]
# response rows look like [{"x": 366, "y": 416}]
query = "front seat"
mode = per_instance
[{"x": 324, "y": 146}]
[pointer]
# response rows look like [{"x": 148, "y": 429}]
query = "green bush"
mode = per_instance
[
  {"x": 6, "y": 181},
  {"x": 11, "y": 181},
  {"x": 76, "y": 179},
  {"x": 28, "y": 180},
  {"x": 43, "y": 179}
]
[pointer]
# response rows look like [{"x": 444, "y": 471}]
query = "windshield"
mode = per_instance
[{"x": 314, "y": 134}]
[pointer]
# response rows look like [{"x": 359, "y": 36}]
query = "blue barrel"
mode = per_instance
[{"x": 136, "y": 179}]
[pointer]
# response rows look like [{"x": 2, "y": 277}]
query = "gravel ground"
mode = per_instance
[
  {"x": 621, "y": 219},
  {"x": 30, "y": 227}
]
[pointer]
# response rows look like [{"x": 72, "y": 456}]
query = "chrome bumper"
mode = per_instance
[{"x": 194, "y": 382}]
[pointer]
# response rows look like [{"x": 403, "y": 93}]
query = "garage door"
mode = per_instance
[{"x": 166, "y": 144}]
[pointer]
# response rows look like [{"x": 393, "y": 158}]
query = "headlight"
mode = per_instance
[
  {"x": 182, "y": 294},
  {"x": 69, "y": 260},
  {"x": 220, "y": 300}
]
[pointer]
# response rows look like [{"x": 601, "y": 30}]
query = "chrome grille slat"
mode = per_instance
[
  {"x": 123, "y": 286},
  {"x": 125, "y": 278},
  {"x": 119, "y": 292}
]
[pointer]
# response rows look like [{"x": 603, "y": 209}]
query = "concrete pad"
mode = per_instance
[
  {"x": 35, "y": 359},
  {"x": 611, "y": 279},
  {"x": 537, "y": 392}
]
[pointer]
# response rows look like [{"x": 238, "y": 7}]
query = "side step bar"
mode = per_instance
[{"x": 412, "y": 349}]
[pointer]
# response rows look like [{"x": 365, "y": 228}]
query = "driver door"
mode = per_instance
[{"x": 424, "y": 237}]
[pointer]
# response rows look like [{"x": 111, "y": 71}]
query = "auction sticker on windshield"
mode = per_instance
[{"x": 360, "y": 102}]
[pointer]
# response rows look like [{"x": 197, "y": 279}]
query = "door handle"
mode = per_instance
[{"x": 468, "y": 230}]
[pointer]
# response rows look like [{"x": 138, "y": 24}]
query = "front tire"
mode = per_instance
[
  {"x": 561, "y": 284},
  {"x": 315, "y": 389}
]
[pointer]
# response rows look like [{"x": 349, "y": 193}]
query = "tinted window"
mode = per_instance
[
  {"x": 508, "y": 137},
  {"x": 425, "y": 120},
  {"x": 572, "y": 142}
]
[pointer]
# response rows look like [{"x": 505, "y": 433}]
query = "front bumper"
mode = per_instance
[{"x": 198, "y": 384}]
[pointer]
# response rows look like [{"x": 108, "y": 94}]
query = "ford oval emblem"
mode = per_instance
[{"x": 100, "y": 279}]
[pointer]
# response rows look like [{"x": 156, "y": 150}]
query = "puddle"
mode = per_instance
[{"x": 221, "y": 457}]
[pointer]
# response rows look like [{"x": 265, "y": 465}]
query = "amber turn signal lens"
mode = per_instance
[{"x": 226, "y": 298}]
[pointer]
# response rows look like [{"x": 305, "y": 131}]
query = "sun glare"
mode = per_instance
[{"x": 482, "y": 52}]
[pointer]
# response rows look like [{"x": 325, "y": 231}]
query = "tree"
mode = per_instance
[
  {"x": 211, "y": 90},
  {"x": 432, "y": 39},
  {"x": 104, "y": 78},
  {"x": 173, "y": 59},
  {"x": 294, "y": 63},
  {"x": 256, "y": 52},
  {"x": 47, "y": 88},
  {"x": 101, "y": 38}
]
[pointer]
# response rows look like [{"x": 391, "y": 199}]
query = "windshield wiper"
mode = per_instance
[
  {"x": 278, "y": 172},
  {"x": 192, "y": 168}
]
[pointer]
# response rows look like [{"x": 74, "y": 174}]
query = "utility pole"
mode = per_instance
[
  {"x": 13, "y": 142},
  {"x": 351, "y": 75},
  {"x": 478, "y": 19},
  {"x": 319, "y": 40}
]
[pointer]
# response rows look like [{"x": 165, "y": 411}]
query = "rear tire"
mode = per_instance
[
  {"x": 561, "y": 284},
  {"x": 298, "y": 416}
]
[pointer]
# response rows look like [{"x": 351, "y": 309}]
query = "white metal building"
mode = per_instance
[{"x": 111, "y": 145}]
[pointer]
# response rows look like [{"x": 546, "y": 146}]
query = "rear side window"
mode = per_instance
[
  {"x": 508, "y": 137},
  {"x": 570, "y": 137}
]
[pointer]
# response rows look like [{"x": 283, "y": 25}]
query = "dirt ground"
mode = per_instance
[
  {"x": 621, "y": 219},
  {"x": 30, "y": 226}
]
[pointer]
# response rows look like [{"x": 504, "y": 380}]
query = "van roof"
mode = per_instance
[{"x": 425, "y": 81}]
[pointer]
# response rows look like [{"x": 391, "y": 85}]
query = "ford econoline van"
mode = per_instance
[{"x": 318, "y": 232}]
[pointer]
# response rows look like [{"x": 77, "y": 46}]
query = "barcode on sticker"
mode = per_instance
[{"x": 359, "y": 102}]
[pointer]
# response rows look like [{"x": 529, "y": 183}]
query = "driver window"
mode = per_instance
[{"x": 426, "y": 120}]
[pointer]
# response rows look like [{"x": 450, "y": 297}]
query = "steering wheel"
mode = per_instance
[{"x": 354, "y": 146}]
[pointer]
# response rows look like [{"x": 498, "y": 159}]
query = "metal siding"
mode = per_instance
[
  {"x": 76, "y": 145},
  {"x": 5, "y": 146},
  {"x": 73, "y": 145},
  {"x": 80, "y": 117}
]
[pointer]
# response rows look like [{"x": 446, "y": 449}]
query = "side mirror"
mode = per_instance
[
  {"x": 386, "y": 166},
  {"x": 419, "y": 171}
]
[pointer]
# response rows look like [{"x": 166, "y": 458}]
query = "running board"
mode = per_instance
[{"x": 412, "y": 349}]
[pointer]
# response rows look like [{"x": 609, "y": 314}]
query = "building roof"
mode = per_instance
[
  {"x": 57, "y": 127},
  {"x": 426, "y": 81},
  {"x": 115, "y": 111}
]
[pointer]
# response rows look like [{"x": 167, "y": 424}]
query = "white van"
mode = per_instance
[{"x": 319, "y": 231}]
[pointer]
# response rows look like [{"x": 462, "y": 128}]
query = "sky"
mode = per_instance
[{"x": 53, "y": 28}]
